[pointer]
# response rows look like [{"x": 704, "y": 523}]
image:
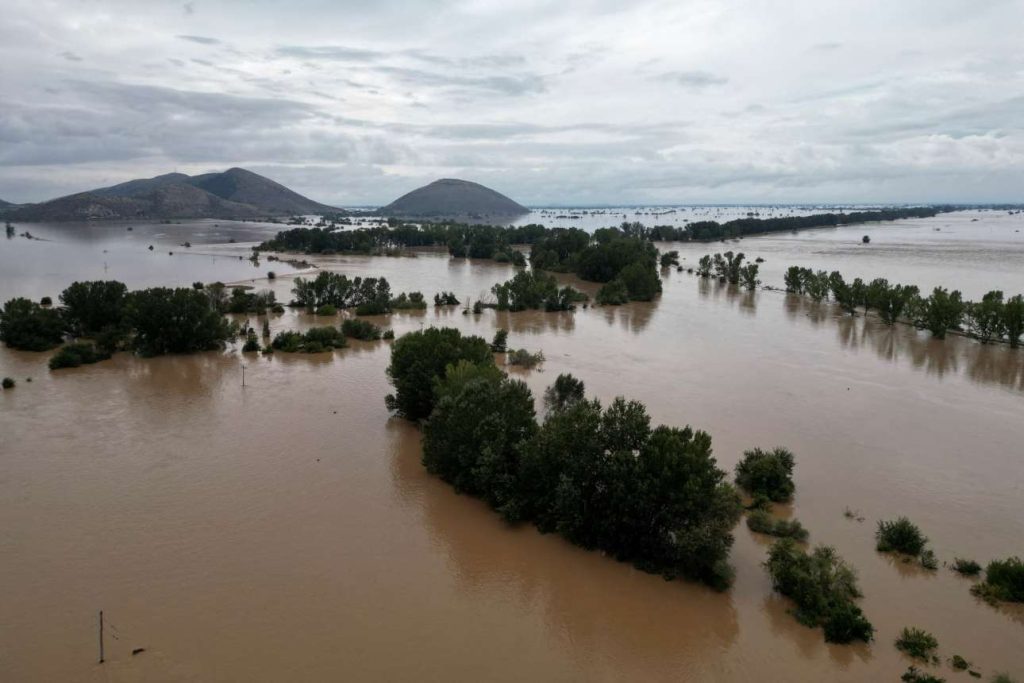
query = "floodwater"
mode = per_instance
[{"x": 286, "y": 530}]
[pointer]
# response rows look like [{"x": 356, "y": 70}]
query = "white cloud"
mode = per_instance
[{"x": 552, "y": 102}]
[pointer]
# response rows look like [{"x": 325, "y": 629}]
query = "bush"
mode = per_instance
[
  {"x": 823, "y": 588},
  {"x": 360, "y": 329},
  {"x": 420, "y": 358},
  {"x": 928, "y": 560},
  {"x": 762, "y": 522},
  {"x": 314, "y": 340},
  {"x": 613, "y": 294},
  {"x": 1004, "y": 581},
  {"x": 446, "y": 299},
  {"x": 918, "y": 644},
  {"x": 75, "y": 354},
  {"x": 26, "y": 325},
  {"x": 525, "y": 358},
  {"x": 7, "y": 383},
  {"x": 915, "y": 675},
  {"x": 901, "y": 536},
  {"x": 966, "y": 567},
  {"x": 769, "y": 473},
  {"x": 388, "y": 334},
  {"x": 252, "y": 342},
  {"x": 669, "y": 259},
  {"x": 500, "y": 342},
  {"x": 410, "y": 301}
]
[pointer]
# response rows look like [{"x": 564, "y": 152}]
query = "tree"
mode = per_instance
[
  {"x": 26, "y": 325},
  {"x": 1013, "y": 319},
  {"x": 985, "y": 318},
  {"x": 767, "y": 473},
  {"x": 419, "y": 359},
  {"x": 500, "y": 342},
  {"x": 173, "y": 321},
  {"x": 613, "y": 293},
  {"x": 565, "y": 391},
  {"x": 704, "y": 266},
  {"x": 473, "y": 436},
  {"x": 899, "y": 535},
  {"x": 794, "y": 279},
  {"x": 748, "y": 276},
  {"x": 91, "y": 307},
  {"x": 942, "y": 311},
  {"x": 641, "y": 281},
  {"x": 669, "y": 259}
]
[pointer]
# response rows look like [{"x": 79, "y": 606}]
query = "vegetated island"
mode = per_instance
[{"x": 235, "y": 194}]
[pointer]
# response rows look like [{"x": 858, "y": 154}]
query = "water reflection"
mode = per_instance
[{"x": 744, "y": 300}]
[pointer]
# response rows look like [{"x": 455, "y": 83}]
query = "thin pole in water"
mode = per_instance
[
  {"x": 101, "y": 636},
  {"x": 243, "y": 374}
]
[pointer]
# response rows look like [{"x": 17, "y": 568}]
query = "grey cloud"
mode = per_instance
[
  {"x": 202, "y": 40},
  {"x": 508, "y": 85},
  {"x": 70, "y": 56},
  {"x": 692, "y": 79},
  {"x": 336, "y": 53}
]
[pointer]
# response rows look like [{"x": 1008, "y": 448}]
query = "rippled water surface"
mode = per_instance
[{"x": 287, "y": 531}]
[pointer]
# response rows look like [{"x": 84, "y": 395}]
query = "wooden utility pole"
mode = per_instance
[{"x": 101, "y": 636}]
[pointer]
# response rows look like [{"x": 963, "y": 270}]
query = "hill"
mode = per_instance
[
  {"x": 453, "y": 198},
  {"x": 233, "y": 194}
]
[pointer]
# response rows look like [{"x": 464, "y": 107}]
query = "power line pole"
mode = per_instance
[{"x": 101, "y": 636}]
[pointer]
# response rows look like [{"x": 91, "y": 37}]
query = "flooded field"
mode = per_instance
[{"x": 286, "y": 530}]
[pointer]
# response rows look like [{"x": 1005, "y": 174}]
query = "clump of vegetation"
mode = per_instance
[
  {"x": 178, "y": 320},
  {"x": 959, "y": 663},
  {"x": 252, "y": 342},
  {"x": 8, "y": 383},
  {"x": 500, "y": 342},
  {"x": 388, "y": 334},
  {"x": 762, "y": 522},
  {"x": 613, "y": 293},
  {"x": 760, "y": 502},
  {"x": 965, "y": 567},
  {"x": 928, "y": 560},
  {"x": 901, "y": 536},
  {"x": 446, "y": 299},
  {"x": 327, "y": 310},
  {"x": 823, "y": 587},
  {"x": 76, "y": 354},
  {"x": 410, "y": 301},
  {"x": 525, "y": 358},
  {"x": 1002, "y": 678},
  {"x": 26, "y": 325},
  {"x": 1004, "y": 581},
  {"x": 314, "y": 340},
  {"x": 46, "y": 301},
  {"x": 535, "y": 290},
  {"x": 418, "y": 358},
  {"x": 565, "y": 392},
  {"x": 769, "y": 473},
  {"x": 360, "y": 329},
  {"x": 918, "y": 644},
  {"x": 748, "y": 276},
  {"x": 669, "y": 259},
  {"x": 915, "y": 675}
]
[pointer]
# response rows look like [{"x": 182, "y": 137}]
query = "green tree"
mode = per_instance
[
  {"x": 26, "y": 325},
  {"x": 748, "y": 276},
  {"x": 94, "y": 306},
  {"x": 767, "y": 473},
  {"x": 942, "y": 311},
  {"x": 985, "y": 318},
  {"x": 1013, "y": 319},
  {"x": 173, "y": 321},
  {"x": 420, "y": 358},
  {"x": 566, "y": 391}
]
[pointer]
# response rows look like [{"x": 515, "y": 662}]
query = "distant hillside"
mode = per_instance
[
  {"x": 233, "y": 194},
  {"x": 453, "y": 198},
  {"x": 4, "y": 204}
]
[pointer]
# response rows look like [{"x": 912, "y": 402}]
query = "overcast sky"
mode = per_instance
[{"x": 556, "y": 102}]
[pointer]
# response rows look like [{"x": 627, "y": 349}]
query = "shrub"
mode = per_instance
[
  {"x": 1004, "y": 581},
  {"x": 446, "y": 299},
  {"x": 75, "y": 354},
  {"x": 899, "y": 535},
  {"x": 314, "y": 340},
  {"x": 613, "y": 293},
  {"x": 966, "y": 567},
  {"x": 915, "y": 675},
  {"x": 388, "y": 334},
  {"x": 252, "y": 342},
  {"x": 525, "y": 358},
  {"x": 767, "y": 472},
  {"x": 360, "y": 329},
  {"x": 669, "y": 259},
  {"x": 918, "y": 644},
  {"x": 271, "y": 275},
  {"x": 412, "y": 300},
  {"x": 420, "y": 358},
  {"x": 327, "y": 309},
  {"x": 959, "y": 663},
  {"x": 1002, "y": 678},
  {"x": 823, "y": 588},
  {"x": 7, "y": 383},
  {"x": 762, "y": 522},
  {"x": 500, "y": 342},
  {"x": 26, "y": 325},
  {"x": 928, "y": 560}
]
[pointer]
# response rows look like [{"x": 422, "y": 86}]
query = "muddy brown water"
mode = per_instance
[{"x": 287, "y": 531}]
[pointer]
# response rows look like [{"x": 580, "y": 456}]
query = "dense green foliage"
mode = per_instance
[
  {"x": 1004, "y": 581},
  {"x": 77, "y": 353},
  {"x": 525, "y": 358},
  {"x": 566, "y": 391},
  {"x": 965, "y": 567},
  {"x": 26, "y": 325},
  {"x": 915, "y": 675},
  {"x": 823, "y": 587},
  {"x": 535, "y": 290},
  {"x": 762, "y": 522},
  {"x": 500, "y": 342},
  {"x": 313, "y": 340},
  {"x": 941, "y": 311},
  {"x": 446, "y": 299},
  {"x": 360, "y": 329},
  {"x": 767, "y": 473},
  {"x": 419, "y": 359},
  {"x": 901, "y": 536},
  {"x": 90, "y": 308},
  {"x": 917, "y": 643},
  {"x": 178, "y": 320},
  {"x": 614, "y": 293}
]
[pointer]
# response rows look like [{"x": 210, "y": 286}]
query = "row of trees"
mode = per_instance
[
  {"x": 993, "y": 318},
  {"x": 151, "y": 321},
  {"x": 601, "y": 477},
  {"x": 705, "y": 231},
  {"x": 369, "y": 296},
  {"x": 729, "y": 267}
]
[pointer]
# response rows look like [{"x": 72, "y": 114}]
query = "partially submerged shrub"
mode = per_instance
[
  {"x": 965, "y": 567},
  {"x": 446, "y": 299},
  {"x": 769, "y": 473},
  {"x": 8, "y": 383},
  {"x": 917, "y": 643},
  {"x": 525, "y": 358},
  {"x": 901, "y": 536},
  {"x": 327, "y": 309},
  {"x": 959, "y": 663},
  {"x": 1004, "y": 581},
  {"x": 915, "y": 675},
  {"x": 763, "y": 523},
  {"x": 360, "y": 329},
  {"x": 928, "y": 560},
  {"x": 823, "y": 587},
  {"x": 75, "y": 354},
  {"x": 314, "y": 340}
]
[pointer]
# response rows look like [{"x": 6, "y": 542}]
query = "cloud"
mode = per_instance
[
  {"x": 692, "y": 79},
  {"x": 333, "y": 53},
  {"x": 70, "y": 56},
  {"x": 202, "y": 40}
]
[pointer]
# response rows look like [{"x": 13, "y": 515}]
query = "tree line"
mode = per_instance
[
  {"x": 993, "y": 318},
  {"x": 368, "y": 296}
]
